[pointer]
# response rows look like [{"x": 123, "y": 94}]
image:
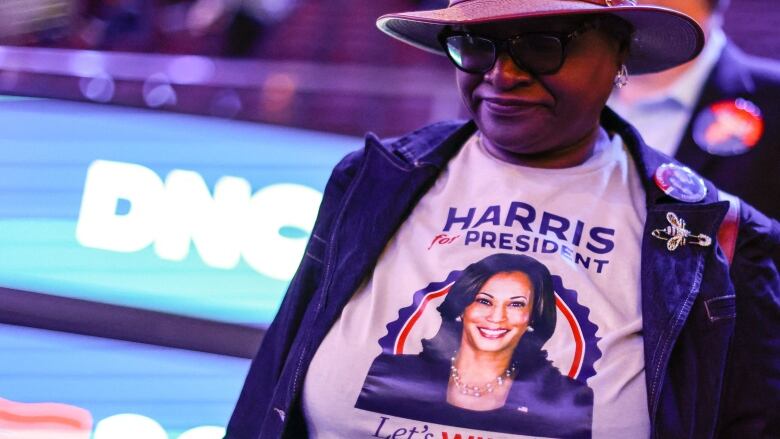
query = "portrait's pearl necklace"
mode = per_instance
[{"x": 479, "y": 390}]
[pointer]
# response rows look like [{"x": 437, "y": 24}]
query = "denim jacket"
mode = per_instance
[{"x": 710, "y": 329}]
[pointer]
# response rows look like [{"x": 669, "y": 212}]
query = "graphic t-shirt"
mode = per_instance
[{"x": 507, "y": 305}]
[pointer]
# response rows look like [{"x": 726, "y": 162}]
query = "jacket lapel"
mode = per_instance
[{"x": 670, "y": 280}]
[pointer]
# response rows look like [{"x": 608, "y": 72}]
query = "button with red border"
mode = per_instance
[
  {"x": 680, "y": 183},
  {"x": 729, "y": 127}
]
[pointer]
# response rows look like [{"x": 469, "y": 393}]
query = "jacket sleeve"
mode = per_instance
[
  {"x": 751, "y": 401},
  {"x": 266, "y": 367}
]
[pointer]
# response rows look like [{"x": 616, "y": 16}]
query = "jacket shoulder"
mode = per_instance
[
  {"x": 419, "y": 141},
  {"x": 766, "y": 71},
  {"x": 757, "y": 230},
  {"x": 740, "y": 74},
  {"x": 409, "y": 147},
  {"x": 434, "y": 143}
]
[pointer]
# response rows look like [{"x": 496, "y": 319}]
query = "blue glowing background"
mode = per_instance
[{"x": 47, "y": 147}]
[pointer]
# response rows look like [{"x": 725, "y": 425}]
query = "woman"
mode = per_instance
[
  {"x": 499, "y": 302},
  {"x": 491, "y": 372},
  {"x": 545, "y": 170}
]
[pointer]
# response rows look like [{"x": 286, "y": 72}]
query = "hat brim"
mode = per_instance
[{"x": 662, "y": 38}]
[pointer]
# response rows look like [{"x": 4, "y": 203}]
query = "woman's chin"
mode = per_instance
[
  {"x": 509, "y": 143},
  {"x": 495, "y": 346},
  {"x": 491, "y": 348}
]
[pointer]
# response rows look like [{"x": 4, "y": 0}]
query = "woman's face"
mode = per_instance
[
  {"x": 529, "y": 118},
  {"x": 500, "y": 313}
]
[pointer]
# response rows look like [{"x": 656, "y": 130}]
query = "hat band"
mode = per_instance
[{"x": 606, "y": 3}]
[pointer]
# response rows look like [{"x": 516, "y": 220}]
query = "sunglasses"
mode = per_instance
[{"x": 539, "y": 53}]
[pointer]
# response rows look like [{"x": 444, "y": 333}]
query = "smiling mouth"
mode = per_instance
[
  {"x": 507, "y": 107},
  {"x": 492, "y": 334}
]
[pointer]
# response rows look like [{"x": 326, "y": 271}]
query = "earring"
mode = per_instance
[
  {"x": 458, "y": 319},
  {"x": 621, "y": 80},
  {"x": 530, "y": 329}
]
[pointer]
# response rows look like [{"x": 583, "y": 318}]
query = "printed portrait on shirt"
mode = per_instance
[{"x": 486, "y": 367}]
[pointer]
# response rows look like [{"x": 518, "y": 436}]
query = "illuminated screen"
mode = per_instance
[
  {"x": 176, "y": 213},
  {"x": 63, "y": 385}
]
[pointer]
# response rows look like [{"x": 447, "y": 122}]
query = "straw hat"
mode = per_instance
[{"x": 662, "y": 38}]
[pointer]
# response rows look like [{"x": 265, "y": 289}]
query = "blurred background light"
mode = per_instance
[
  {"x": 98, "y": 88},
  {"x": 158, "y": 92},
  {"x": 226, "y": 103},
  {"x": 87, "y": 63},
  {"x": 191, "y": 69},
  {"x": 276, "y": 96}
]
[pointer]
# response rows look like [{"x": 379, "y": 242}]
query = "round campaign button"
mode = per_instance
[
  {"x": 729, "y": 127},
  {"x": 680, "y": 183}
]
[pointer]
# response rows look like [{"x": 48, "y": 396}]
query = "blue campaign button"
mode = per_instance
[{"x": 680, "y": 183}]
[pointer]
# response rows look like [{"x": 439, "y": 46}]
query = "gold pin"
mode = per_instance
[{"x": 676, "y": 234}]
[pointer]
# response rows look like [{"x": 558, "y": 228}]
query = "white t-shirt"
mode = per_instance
[{"x": 371, "y": 376}]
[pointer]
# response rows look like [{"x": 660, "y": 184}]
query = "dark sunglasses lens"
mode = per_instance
[
  {"x": 541, "y": 54},
  {"x": 471, "y": 54}
]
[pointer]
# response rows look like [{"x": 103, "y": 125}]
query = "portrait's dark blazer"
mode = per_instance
[
  {"x": 541, "y": 401},
  {"x": 753, "y": 176}
]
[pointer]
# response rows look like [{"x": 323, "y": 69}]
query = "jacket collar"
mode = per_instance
[
  {"x": 436, "y": 144},
  {"x": 433, "y": 145},
  {"x": 730, "y": 76}
]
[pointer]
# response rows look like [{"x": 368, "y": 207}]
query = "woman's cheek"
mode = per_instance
[
  {"x": 472, "y": 313},
  {"x": 467, "y": 84},
  {"x": 519, "y": 318}
]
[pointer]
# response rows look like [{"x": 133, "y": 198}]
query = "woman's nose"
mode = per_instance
[
  {"x": 506, "y": 74},
  {"x": 497, "y": 314}
]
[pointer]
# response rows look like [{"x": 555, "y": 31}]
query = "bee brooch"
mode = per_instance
[{"x": 676, "y": 235}]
